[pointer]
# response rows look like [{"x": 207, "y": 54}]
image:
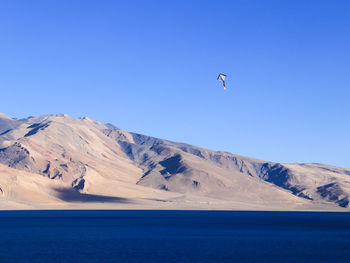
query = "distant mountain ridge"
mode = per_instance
[{"x": 95, "y": 158}]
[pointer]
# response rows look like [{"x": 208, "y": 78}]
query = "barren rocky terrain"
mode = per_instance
[{"x": 57, "y": 161}]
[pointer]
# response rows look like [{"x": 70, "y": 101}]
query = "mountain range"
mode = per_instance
[{"x": 60, "y": 162}]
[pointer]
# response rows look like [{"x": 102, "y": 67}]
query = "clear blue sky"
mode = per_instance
[{"x": 151, "y": 67}]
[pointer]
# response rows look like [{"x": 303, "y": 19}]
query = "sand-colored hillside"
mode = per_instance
[
  {"x": 24, "y": 190},
  {"x": 57, "y": 161}
]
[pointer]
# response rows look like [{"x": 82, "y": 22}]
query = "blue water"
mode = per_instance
[{"x": 173, "y": 236}]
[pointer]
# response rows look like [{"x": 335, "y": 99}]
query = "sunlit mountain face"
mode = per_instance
[{"x": 58, "y": 160}]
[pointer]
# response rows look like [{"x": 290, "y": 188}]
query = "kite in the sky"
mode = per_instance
[{"x": 222, "y": 77}]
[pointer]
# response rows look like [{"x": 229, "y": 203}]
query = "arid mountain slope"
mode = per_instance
[
  {"x": 178, "y": 166},
  {"x": 100, "y": 159},
  {"x": 61, "y": 147}
]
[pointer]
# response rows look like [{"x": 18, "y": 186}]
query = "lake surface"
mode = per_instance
[{"x": 173, "y": 236}]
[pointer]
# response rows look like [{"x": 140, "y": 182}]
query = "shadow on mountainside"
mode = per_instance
[{"x": 71, "y": 195}]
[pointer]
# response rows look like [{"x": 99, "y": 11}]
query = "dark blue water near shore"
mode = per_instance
[{"x": 173, "y": 236}]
